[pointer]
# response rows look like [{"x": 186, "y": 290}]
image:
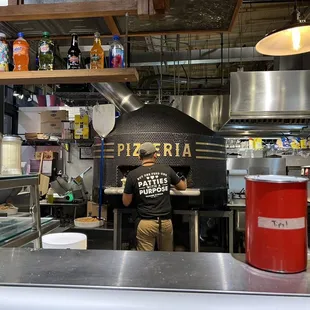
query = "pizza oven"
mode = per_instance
[{"x": 182, "y": 142}]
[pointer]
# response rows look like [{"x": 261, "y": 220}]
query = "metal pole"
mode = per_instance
[
  {"x": 126, "y": 41},
  {"x": 189, "y": 61},
  {"x": 101, "y": 176},
  {"x": 231, "y": 231},
  {"x": 194, "y": 231},
  {"x": 161, "y": 70},
  {"x": 115, "y": 229},
  {"x": 174, "y": 75},
  {"x": 222, "y": 59},
  {"x": 36, "y": 214},
  {"x": 119, "y": 218},
  {"x": 178, "y": 50}
]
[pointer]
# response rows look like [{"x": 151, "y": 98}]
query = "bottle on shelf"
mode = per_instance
[
  {"x": 21, "y": 53},
  {"x": 4, "y": 53},
  {"x": 116, "y": 53},
  {"x": 97, "y": 53},
  {"x": 74, "y": 54},
  {"x": 50, "y": 195},
  {"x": 46, "y": 52}
]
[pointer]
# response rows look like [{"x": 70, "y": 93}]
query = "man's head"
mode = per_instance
[{"x": 147, "y": 152}]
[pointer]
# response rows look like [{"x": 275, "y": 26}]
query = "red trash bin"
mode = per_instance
[{"x": 276, "y": 223}]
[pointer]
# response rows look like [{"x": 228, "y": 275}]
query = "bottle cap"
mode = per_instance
[
  {"x": 20, "y": 34},
  {"x": 97, "y": 35},
  {"x": 2, "y": 35},
  {"x": 116, "y": 37},
  {"x": 46, "y": 34},
  {"x": 74, "y": 34}
]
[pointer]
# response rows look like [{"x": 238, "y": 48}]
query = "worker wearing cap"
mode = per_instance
[{"x": 148, "y": 187}]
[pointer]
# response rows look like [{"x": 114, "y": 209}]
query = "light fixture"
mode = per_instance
[{"x": 292, "y": 39}]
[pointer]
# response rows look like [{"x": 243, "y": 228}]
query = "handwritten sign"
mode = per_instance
[{"x": 281, "y": 224}]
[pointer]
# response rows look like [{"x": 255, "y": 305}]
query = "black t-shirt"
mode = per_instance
[{"x": 150, "y": 186}]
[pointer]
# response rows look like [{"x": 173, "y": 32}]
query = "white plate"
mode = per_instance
[{"x": 88, "y": 225}]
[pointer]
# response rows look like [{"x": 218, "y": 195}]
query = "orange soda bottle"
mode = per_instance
[
  {"x": 97, "y": 53},
  {"x": 20, "y": 53}
]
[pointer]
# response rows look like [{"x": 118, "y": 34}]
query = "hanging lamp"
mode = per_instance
[{"x": 292, "y": 39}]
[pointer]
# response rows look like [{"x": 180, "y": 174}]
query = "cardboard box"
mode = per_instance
[
  {"x": 54, "y": 116},
  {"x": 93, "y": 210},
  {"x": 51, "y": 128},
  {"x": 47, "y": 166},
  {"x": 47, "y": 155},
  {"x": 31, "y": 136},
  {"x": 36, "y": 136}
]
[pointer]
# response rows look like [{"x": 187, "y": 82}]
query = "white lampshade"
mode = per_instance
[{"x": 292, "y": 40}]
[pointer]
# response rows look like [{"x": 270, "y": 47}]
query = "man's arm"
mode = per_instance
[
  {"x": 179, "y": 183},
  {"x": 182, "y": 185},
  {"x": 128, "y": 192},
  {"x": 127, "y": 199}
]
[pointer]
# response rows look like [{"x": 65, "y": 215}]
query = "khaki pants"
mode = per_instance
[{"x": 148, "y": 233}]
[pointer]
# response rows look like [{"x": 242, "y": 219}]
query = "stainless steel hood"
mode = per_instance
[
  {"x": 210, "y": 110},
  {"x": 270, "y": 95},
  {"x": 261, "y": 104},
  {"x": 269, "y": 102}
]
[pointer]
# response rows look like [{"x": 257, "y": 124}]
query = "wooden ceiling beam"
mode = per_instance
[
  {"x": 234, "y": 17},
  {"x": 145, "y": 9},
  {"x": 161, "y": 6},
  {"x": 67, "y": 10},
  {"x": 109, "y": 20}
]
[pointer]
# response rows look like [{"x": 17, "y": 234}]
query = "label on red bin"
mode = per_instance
[{"x": 281, "y": 224}]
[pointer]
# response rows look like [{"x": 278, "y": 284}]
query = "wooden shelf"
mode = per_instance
[
  {"x": 83, "y": 142},
  {"x": 68, "y": 76},
  {"x": 67, "y": 10},
  {"x": 40, "y": 142}
]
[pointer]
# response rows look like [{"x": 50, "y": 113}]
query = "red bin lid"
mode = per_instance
[{"x": 276, "y": 179}]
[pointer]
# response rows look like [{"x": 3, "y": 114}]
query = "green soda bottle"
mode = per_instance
[{"x": 46, "y": 52}]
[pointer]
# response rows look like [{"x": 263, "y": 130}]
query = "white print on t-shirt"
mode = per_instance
[{"x": 153, "y": 184}]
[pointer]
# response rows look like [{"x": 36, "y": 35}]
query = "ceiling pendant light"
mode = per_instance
[{"x": 292, "y": 39}]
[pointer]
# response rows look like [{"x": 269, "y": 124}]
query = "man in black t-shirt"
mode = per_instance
[{"x": 149, "y": 187}]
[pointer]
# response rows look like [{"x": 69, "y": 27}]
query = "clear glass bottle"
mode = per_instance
[
  {"x": 46, "y": 52},
  {"x": 4, "y": 53},
  {"x": 74, "y": 54},
  {"x": 116, "y": 54},
  {"x": 97, "y": 53}
]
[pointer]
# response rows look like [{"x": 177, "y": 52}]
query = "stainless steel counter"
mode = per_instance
[{"x": 188, "y": 272}]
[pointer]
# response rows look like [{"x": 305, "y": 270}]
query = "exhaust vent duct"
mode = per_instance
[{"x": 119, "y": 95}]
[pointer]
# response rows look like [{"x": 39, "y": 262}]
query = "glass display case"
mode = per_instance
[{"x": 18, "y": 231}]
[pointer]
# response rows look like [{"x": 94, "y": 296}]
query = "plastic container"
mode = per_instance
[
  {"x": 11, "y": 155},
  {"x": 4, "y": 53},
  {"x": 76, "y": 241},
  {"x": 21, "y": 53},
  {"x": 50, "y": 195},
  {"x": 276, "y": 223},
  {"x": 116, "y": 54},
  {"x": 46, "y": 52}
]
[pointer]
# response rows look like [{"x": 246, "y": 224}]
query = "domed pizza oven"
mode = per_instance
[{"x": 182, "y": 142}]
